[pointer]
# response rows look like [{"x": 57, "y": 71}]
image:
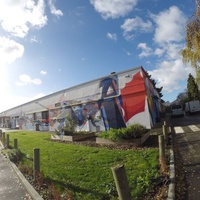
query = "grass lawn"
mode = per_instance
[{"x": 86, "y": 171}]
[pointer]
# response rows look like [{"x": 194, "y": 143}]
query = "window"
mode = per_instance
[
  {"x": 45, "y": 115},
  {"x": 58, "y": 104}
]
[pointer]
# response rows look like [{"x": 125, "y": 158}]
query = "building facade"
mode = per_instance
[{"x": 115, "y": 101}]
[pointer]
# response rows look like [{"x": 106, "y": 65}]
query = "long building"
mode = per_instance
[{"x": 115, "y": 101}]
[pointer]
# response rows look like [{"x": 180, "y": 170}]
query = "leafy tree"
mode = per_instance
[
  {"x": 191, "y": 53},
  {"x": 182, "y": 97},
  {"x": 192, "y": 88}
]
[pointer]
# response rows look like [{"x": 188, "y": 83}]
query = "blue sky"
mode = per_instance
[{"x": 50, "y": 45}]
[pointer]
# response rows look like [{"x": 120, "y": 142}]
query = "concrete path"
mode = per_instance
[{"x": 11, "y": 187}]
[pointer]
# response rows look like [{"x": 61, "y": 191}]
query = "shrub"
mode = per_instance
[
  {"x": 15, "y": 155},
  {"x": 70, "y": 126},
  {"x": 130, "y": 132}
]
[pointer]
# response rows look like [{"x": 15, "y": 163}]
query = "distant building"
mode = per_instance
[{"x": 115, "y": 101}]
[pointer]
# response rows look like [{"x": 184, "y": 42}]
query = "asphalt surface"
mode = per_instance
[
  {"x": 190, "y": 153},
  {"x": 187, "y": 136},
  {"x": 11, "y": 187}
]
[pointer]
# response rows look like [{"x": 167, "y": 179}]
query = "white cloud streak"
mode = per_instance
[
  {"x": 53, "y": 9},
  {"x": 17, "y": 17},
  {"x": 131, "y": 26},
  {"x": 43, "y": 72},
  {"x": 146, "y": 51},
  {"x": 10, "y": 51},
  {"x": 113, "y": 8},
  {"x": 112, "y": 36},
  {"x": 26, "y": 79}
]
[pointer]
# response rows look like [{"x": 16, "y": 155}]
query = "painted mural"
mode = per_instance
[
  {"x": 115, "y": 106},
  {"x": 112, "y": 104}
]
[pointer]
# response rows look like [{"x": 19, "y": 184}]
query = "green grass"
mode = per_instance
[{"x": 86, "y": 171}]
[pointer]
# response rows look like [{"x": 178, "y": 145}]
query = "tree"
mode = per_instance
[
  {"x": 191, "y": 53},
  {"x": 154, "y": 85},
  {"x": 182, "y": 97},
  {"x": 192, "y": 88}
]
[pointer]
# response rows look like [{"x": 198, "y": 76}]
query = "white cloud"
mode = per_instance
[
  {"x": 17, "y": 17},
  {"x": 9, "y": 51},
  {"x": 34, "y": 39},
  {"x": 170, "y": 25},
  {"x": 171, "y": 71},
  {"x": 53, "y": 9},
  {"x": 112, "y": 36},
  {"x": 159, "y": 51},
  {"x": 113, "y": 8},
  {"x": 36, "y": 81},
  {"x": 26, "y": 79},
  {"x": 132, "y": 26},
  {"x": 146, "y": 51},
  {"x": 43, "y": 72},
  {"x": 169, "y": 74},
  {"x": 127, "y": 52},
  {"x": 173, "y": 51}
]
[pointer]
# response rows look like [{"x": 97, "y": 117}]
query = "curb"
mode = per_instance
[
  {"x": 171, "y": 189},
  {"x": 34, "y": 194}
]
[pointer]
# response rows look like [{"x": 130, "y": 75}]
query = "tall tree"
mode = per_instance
[
  {"x": 154, "y": 85},
  {"x": 191, "y": 53},
  {"x": 192, "y": 88}
]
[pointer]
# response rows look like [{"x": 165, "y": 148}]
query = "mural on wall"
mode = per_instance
[
  {"x": 27, "y": 122},
  {"x": 152, "y": 99},
  {"x": 133, "y": 96},
  {"x": 115, "y": 106},
  {"x": 112, "y": 105}
]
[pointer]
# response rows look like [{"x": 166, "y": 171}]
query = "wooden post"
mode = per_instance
[
  {"x": 1, "y": 134},
  {"x": 170, "y": 129},
  {"x": 8, "y": 140},
  {"x": 165, "y": 133},
  {"x": 121, "y": 182},
  {"x": 15, "y": 144},
  {"x": 3, "y": 138},
  {"x": 162, "y": 153},
  {"x": 36, "y": 164}
]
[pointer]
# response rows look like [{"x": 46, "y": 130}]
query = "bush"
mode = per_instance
[
  {"x": 130, "y": 132},
  {"x": 15, "y": 155}
]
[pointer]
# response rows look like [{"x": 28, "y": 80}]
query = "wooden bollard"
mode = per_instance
[
  {"x": 162, "y": 159},
  {"x": 121, "y": 182},
  {"x": 15, "y": 144},
  {"x": 3, "y": 138},
  {"x": 36, "y": 164},
  {"x": 8, "y": 140},
  {"x": 165, "y": 133}
]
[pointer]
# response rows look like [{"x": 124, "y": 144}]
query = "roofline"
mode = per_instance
[{"x": 63, "y": 90}]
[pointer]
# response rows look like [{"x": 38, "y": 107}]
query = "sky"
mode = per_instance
[{"x": 50, "y": 45}]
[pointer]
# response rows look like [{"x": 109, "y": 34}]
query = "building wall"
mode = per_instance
[{"x": 114, "y": 101}]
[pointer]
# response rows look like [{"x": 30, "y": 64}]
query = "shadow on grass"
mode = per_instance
[{"x": 78, "y": 192}]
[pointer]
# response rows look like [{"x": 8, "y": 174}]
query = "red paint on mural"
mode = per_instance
[{"x": 133, "y": 96}]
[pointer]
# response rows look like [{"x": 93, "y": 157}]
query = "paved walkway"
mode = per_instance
[
  {"x": 11, "y": 187},
  {"x": 189, "y": 141}
]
